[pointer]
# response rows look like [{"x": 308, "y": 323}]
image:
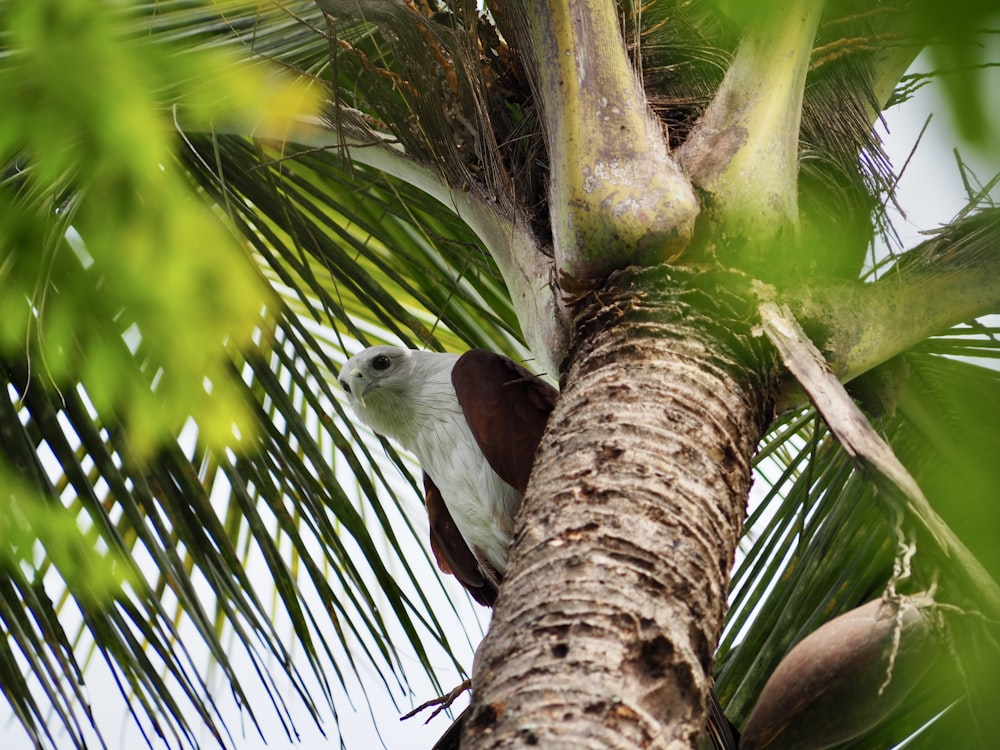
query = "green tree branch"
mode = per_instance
[
  {"x": 950, "y": 279},
  {"x": 616, "y": 195},
  {"x": 744, "y": 150}
]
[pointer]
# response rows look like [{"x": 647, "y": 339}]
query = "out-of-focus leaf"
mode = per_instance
[{"x": 89, "y": 172}]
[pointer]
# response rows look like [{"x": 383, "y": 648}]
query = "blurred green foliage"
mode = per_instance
[
  {"x": 964, "y": 46},
  {"x": 39, "y": 534},
  {"x": 115, "y": 276},
  {"x": 960, "y": 37}
]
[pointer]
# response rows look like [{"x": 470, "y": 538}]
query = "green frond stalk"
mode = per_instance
[
  {"x": 617, "y": 196},
  {"x": 745, "y": 149}
]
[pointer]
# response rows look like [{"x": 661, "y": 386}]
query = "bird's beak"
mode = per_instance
[{"x": 359, "y": 387}]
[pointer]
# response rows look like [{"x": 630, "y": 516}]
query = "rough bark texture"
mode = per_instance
[{"x": 606, "y": 625}]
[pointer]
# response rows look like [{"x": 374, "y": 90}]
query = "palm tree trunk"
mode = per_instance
[{"x": 607, "y": 622}]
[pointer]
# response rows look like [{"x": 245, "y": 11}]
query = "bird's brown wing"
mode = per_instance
[
  {"x": 506, "y": 408},
  {"x": 450, "y": 550}
]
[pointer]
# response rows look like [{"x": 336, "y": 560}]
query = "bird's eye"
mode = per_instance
[
  {"x": 381, "y": 362},
  {"x": 345, "y": 385}
]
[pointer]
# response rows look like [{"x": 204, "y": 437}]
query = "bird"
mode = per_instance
[{"x": 474, "y": 422}]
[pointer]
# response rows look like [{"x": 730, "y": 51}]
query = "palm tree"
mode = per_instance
[{"x": 667, "y": 207}]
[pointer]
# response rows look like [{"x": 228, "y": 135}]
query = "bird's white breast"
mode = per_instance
[
  {"x": 480, "y": 502},
  {"x": 427, "y": 420}
]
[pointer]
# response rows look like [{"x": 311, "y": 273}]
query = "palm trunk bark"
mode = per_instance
[{"x": 605, "y": 629}]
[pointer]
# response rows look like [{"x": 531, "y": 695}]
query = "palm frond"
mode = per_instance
[
  {"x": 821, "y": 542},
  {"x": 342, "y": 244},
  {"x": 196, "y": 522},
  {"x": 363, "y": 245}
]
